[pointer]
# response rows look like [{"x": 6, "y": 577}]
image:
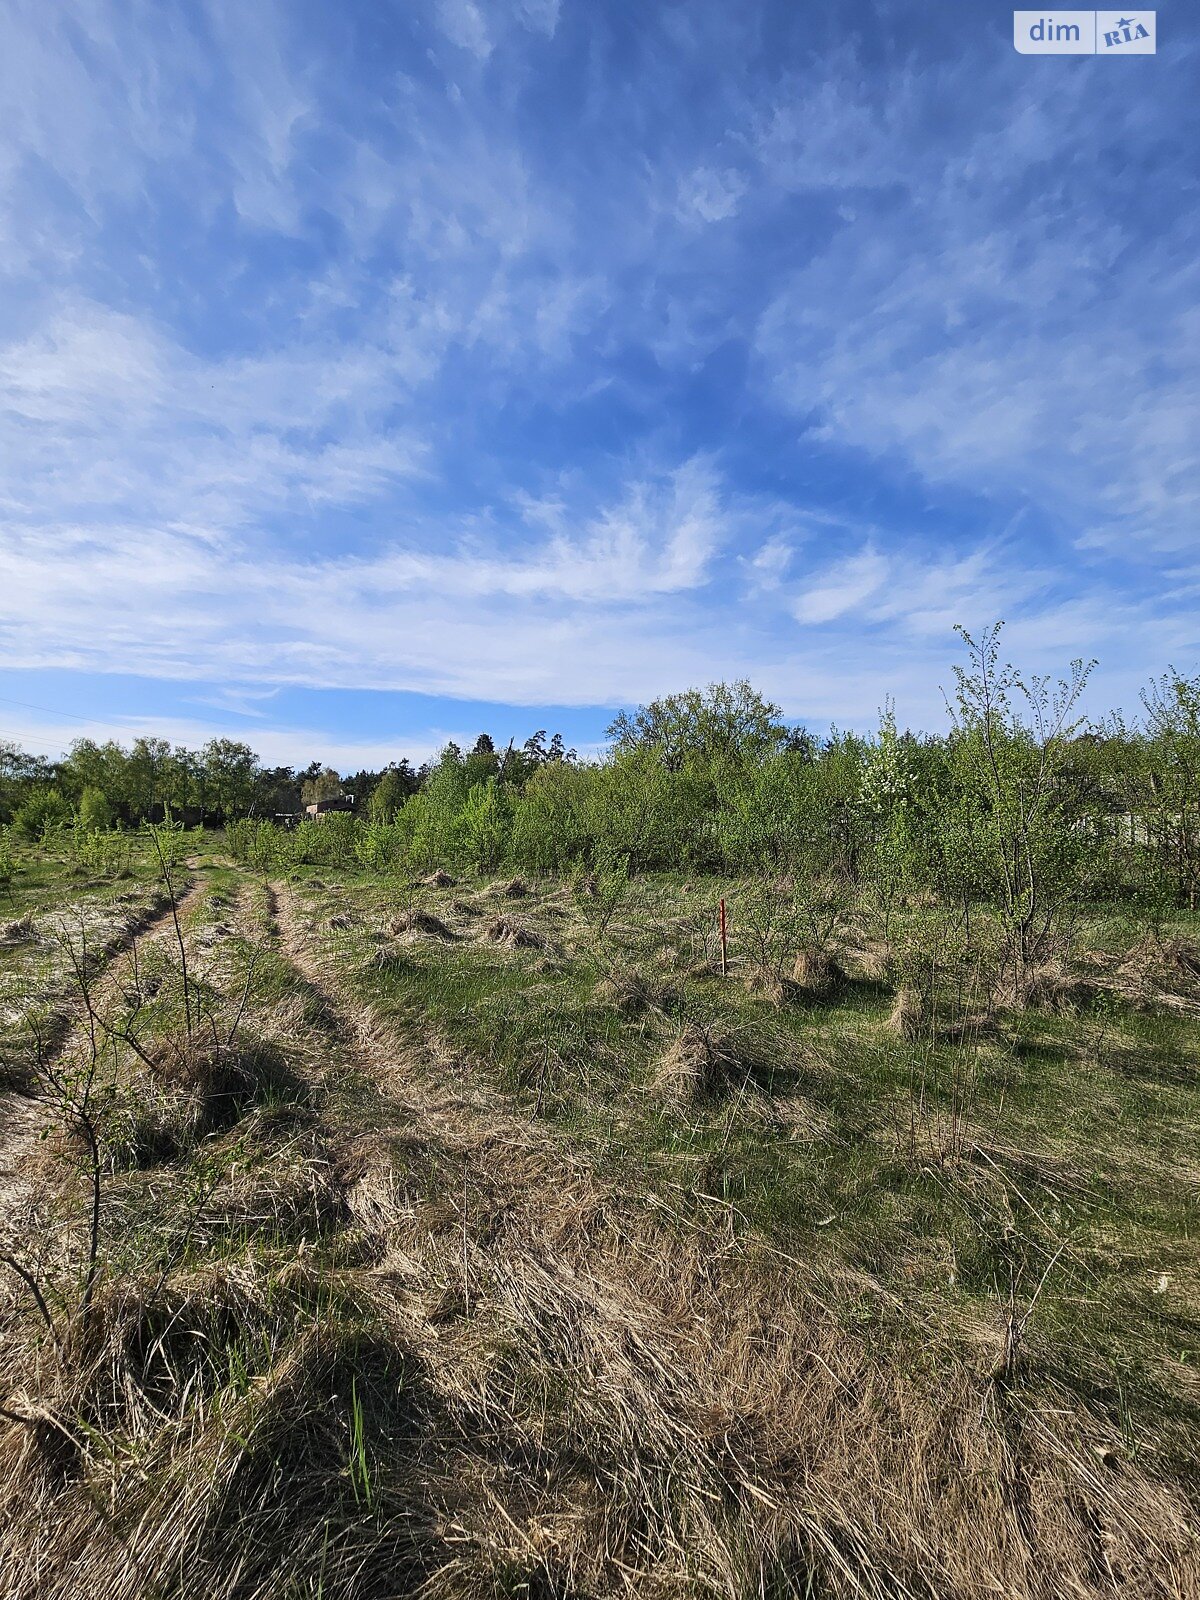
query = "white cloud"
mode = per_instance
[
  {"x": 463, "y": 24},
  {"x": 769, "y": 564},
  {"x": 109, "y": 419},
  {"x": 568, "y": 615},
  {"x": 842, "y": 587},
  {"x": 1029, "y": 348},
  {"x": 540, "y": 16},
  {"x": 346, "y": 444},
  {"x": 709, "y": 195}
]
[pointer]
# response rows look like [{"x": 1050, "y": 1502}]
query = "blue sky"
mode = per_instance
[{"x": 372, "y": 374}]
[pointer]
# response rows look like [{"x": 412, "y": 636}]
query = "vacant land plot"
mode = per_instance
[{"x": 372, "y": 1236}]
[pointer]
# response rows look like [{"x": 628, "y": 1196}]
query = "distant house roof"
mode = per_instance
[{"x": 342, "y": 802}]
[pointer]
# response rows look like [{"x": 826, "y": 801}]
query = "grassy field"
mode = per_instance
[{"x": 472, "y": 1238}]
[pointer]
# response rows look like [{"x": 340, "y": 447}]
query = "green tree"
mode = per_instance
[
  {"x": 1009, "y": 753},
  {"x": 888, "y": 800},
  {"x": 325, "y": 784},
  {"x": 395, "y": 786},
  {"x": 43, "y": 810},
  {"x": 19, "y": 773},
  {"x": 229, "y": 772},
  {"x": 276, "y": 789},
  {"x": 89, "y": 765},
  {"x": 148, "y": 777},
  {"x": 95, "y": 813},
  {"x": 725, "y": 722},
  {"x": 550, "y": 829},
  {"x": 484, "y": 826},
  {"x": 1165, "y": 781},
  {"x": 482, "y": 762}
]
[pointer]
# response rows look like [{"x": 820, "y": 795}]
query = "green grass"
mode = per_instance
[
  {"x": 919, "y": 1190},
  {"x": 1033, "y": 1144}
]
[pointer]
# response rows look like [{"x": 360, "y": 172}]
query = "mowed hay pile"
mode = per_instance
[
  {"x": 1163, "y": 970},
  {"x": 767, "y": 985},
  {"x": 632, "y": 993},
  {"x": 700, "y": 1064},
  {"x": 21, "y": 931},
  {"x": 908, "y": 1014},
  {"x": 440, "y": 879},
  {"x": 816, "y": 974},
  {"x": 1053, "y": 987},
  {"x": 421, "y": 925},
  {"x": 514, "y": 934},
  {"x": 869, "y": 962},
  {"x": 388, "y": 959},
  {"x": 201, "y": 1086}
]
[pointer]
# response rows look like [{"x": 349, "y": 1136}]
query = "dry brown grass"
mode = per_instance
[
  {"x": 23, "y": 930},
  {"x": 1054, "y": 987},
  {"x": 632, "y": 993},
  {"x": 581, "y": 1404},
  {"x": 422, "y": 924},
  {"x": 817, "y": 974},
  {"x": 509, "y": 1376},
  {"x": 870, "y": 961},
  {"x": 908, "y": 1014},
  {"x": 515, "y": 934},
  {"x": 1158, "y": 972},
  {"x": 700, "y": 1062}
]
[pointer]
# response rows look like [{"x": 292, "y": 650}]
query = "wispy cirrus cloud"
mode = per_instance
[
  {"x": 529, "y": 351},
  {"x": 989, "y": 317},
  {"x": 489, "y": 615}
]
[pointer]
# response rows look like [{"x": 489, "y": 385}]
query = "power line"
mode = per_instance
[
  {"x": 28, "y": 738},
  {"x": 71, "y": 716}
]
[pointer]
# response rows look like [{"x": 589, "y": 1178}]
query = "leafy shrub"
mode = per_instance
[
  {"x": 484, "y": 826},
  {"x": 41, "y": 812},
  {"x": 101, "y": 854},
  {"x": 379, "y": 845},
  {"x": 169, "y": 842},
  {"x": 257, "y": 844},
  {"x": 327, "y": 842},
  {"x": 95, "y": 813}
]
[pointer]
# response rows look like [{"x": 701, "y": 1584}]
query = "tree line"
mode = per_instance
[
  {"x": 111, "y": 785},
  {"x": 1020, "y": 798},
  {"x": 1021, "y": 802}
]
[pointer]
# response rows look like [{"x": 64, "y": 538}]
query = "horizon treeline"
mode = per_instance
[
  {"x": 716, "y": 780},
  {"x": 223, "y": 780}
]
